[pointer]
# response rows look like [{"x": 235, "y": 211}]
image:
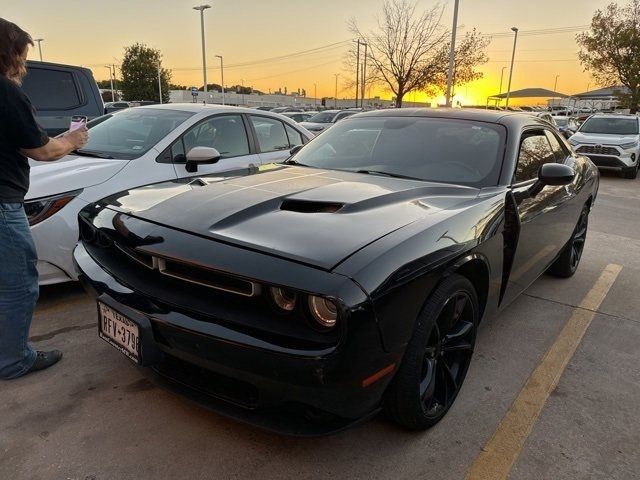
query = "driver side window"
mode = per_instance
[
  {"x": 225, "y": 133},
  {"x": 535, "y": 151}
]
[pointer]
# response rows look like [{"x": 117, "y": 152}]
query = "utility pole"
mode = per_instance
[
  {"x": 221, "y": 76},
  {"x": 160, "y": 82},
  {"x": 39, "y": 40},
  {"x": 555, "y": 85},
  {"x": 242, "y": 82},
  {"x": 364, "y": 74},
  {"x": 113, "y": 95},
  {"x": 357, "y": 71},
  {"x": 452, "y": 53},
  {"x": 315, "y": 94},
  {"x": 500, "y": 89},
  {"x": 335, "y": 97},
  {"x": 202, "y": 8},
  {"x": 513, "y": 56}
]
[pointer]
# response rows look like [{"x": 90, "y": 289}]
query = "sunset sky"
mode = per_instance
[{"x": 250, "y": 32}]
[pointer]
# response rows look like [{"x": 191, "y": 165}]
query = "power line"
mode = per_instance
[{"x": 541, "y": 31}]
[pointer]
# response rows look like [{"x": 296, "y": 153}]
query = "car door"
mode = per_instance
[
  {"x": 227, "y": 133},
  {"x": 274, "y": 138},
  {"x": 542, "y": 218}
]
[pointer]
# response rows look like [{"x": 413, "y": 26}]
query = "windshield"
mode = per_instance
[
  {"x": 322, "y": 117},
  {"x": 131, "y": 133},
  {"x": 610, "y": 126},
  {"x": 433, "y": 149}
]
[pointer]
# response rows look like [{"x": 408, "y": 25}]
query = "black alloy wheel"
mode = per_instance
[
  {"x": 437, "y": 357},
  {"x": 567, "y": 263}
]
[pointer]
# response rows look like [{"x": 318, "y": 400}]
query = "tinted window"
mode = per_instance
[
  {"x": 51, "y": 89},
  {"x": 534, "y": 151},
  {"x": 323, "y": 117},
  {"x": 342, "y": 115},
  {"x": 559, "y": 152},
  {"x": 434, "y": 149},
  {"x": 271, "y": 134},
  {"x": 132, "y": 132},
  {"x": 225, "y": 133},
  {"x": 610, "y": 126},
  {"x": 294, "y": 136}
]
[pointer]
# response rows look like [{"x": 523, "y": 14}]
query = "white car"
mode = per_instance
[
  {"x": 323, "y": 120},
  {"x": 299, "y": 117},
  {"x": 611, "y": 142},
  {"x": 144, "y": 145}
]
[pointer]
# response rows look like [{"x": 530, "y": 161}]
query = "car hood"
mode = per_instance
[
  {"x": 312, "y": 216},
  {"x": 599, "y": 139},
  {"x": 70, "y": 173}
]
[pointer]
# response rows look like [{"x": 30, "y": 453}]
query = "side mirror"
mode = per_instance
[
  {"x": 201, "y": 155},
  {"x": 553, "y": 174},
  {"x": 295, "y": 149}
]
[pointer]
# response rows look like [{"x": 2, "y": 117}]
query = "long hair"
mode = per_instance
[{"x": 13, "y": 43}]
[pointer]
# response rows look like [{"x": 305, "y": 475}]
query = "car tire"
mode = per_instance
[
  {"x": 567, "y": 263},
  {"x": 437, "y": 358},
  {"x": 631, "y": 172}
]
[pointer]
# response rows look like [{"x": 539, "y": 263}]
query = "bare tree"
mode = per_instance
[
  {"x": 403, "y": 53},
  {"x": 610, "y": 50}
]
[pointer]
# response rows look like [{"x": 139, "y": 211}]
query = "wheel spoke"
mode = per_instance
[
  {"x": 458, "y": 340},
  {"x": 428, "y": 383},
  {"x": 449, "y": 378}
]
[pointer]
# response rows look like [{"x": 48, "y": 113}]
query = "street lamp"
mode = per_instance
[
  {"x": 501, "y": 75},
  {"x": 315, "y": 94},
  {"x": 242, "y": 89},
  {"x": 335, "y": 97},
  {"x": 513, "y": 56},
  {"x": 452, "y": 53},
  {"x": 364, "y": 73},
  {"x": 555, "y": 85},
  {"x": 39, "y": 40},
  {"x": 221, "y": 75},
  {"x": 113, "y": 95},
  {"x": 160, "y": 82},
  {"x": 202, "y": 8}
]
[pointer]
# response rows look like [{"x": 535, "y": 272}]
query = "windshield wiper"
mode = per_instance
[
  {"x": 87, "y": 153},
  {"x": 387, "y": 174}
]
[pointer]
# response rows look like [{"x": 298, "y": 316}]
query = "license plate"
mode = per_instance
[{"x": 119, "y": 331}]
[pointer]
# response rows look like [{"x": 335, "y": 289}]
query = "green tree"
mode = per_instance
[
  {"x": 140, "y": 74},
  {"x": 610, "y": 50}
]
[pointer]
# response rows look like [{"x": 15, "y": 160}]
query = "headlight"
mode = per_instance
[
  {"x": 283, "y": 298},
  {"x": 627, "y": 146},
  {"x": 43, "y": 208},
  {"x": 323, "y": 311}
]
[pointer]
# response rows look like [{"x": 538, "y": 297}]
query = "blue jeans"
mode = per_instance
[{"x": 18, "y": 291}]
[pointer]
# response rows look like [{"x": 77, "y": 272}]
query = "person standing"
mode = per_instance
[{"x": 20, "y": 137}]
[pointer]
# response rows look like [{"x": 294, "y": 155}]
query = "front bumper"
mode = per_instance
[
  {"x": 292, "y": 392},
  {"x": 609, "y": 157}
]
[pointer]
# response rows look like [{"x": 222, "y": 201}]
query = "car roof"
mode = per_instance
[
  {"x": 208, "y": 109},
  {"x": 614, "y": 115}
]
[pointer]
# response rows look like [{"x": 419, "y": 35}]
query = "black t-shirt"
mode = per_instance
[{"x": 18, "y": 130}]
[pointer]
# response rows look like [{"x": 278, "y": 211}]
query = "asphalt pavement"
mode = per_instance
[{"x": 95, "y": 416}]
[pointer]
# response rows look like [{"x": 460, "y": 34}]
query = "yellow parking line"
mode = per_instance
[{"x": 500, "y": 453}]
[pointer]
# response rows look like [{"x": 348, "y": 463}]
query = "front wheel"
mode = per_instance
[
  {"x": 437, "y": 358},
  {"x": 567, "y": 263}
]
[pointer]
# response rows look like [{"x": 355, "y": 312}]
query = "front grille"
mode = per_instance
[
  {"x": 598, "y": 150},
  {"x": 602, "y": 161},
  {"x": 211, "y": 383}
]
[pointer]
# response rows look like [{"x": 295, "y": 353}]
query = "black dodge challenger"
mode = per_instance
[{"x": 307, "y": 296}]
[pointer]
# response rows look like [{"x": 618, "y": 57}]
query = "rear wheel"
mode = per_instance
[
  {"x": 437, "y": 358},
  {"x": 567, "y": 263}
]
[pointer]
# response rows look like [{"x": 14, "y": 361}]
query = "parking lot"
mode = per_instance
[{"x": 95, "y": 416}]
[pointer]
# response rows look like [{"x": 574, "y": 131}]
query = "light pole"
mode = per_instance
[
  {"x": 202, "y": 8},
  {"x": 159, "y": 82},
  {"x": 555, "y": 85},
  {"x": 513, "y": 56},
  {"x": 335, "y": 97},
  {"x": 357, "y": 71},
  {"x": 39, "y": 40},
  {"x": 242, "y": 89},
  {"x": 452, "y": 53},
  {"x": 315, "y": 94},
  {"x": 113, "y": 95},
  {"x": 221, "y": 75},
  {"x": 364, "y": 74}
]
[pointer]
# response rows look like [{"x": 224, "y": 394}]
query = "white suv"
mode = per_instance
[{"x": 610, "y": 141}]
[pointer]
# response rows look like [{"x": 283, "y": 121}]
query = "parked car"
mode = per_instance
[
  {"x": 266, "y": 109},
  {"x": 350, "y": 279},
  {"x": 323, "y": 120},
  {"x": 299, "y": 116},
  {"x": 111, "y": 107},
  {"x": 59, "y": 92},
  {"x": 285, "y": 109},
  {"x": 143, "y": 145},
  {"x": 566, "y": 125},
  {"x": 611, "y": 142}
]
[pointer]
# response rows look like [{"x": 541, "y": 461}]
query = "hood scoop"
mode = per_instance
[{"x": 310, "y": 206}]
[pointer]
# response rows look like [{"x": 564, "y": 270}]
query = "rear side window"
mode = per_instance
[
  {"x": 535, "y": 151},
  {"x": 271, "y": 134},
  {"x": 50, "y": 89}
]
